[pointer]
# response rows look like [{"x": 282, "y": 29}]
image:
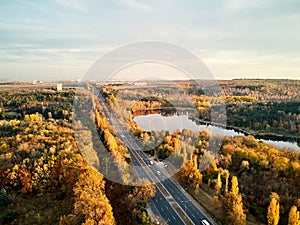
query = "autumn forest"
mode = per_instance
[{"x": 50, "y": 163}]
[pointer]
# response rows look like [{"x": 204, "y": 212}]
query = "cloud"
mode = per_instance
[
  {"x": 235, "y": 35},
  {"x": 73, "y": 4},
  {"x": 138, "y": 5},
  {"x": 234, "y": 5},
  {"x": 49, "y": 55}
]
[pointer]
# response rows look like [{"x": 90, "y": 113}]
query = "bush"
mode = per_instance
[{"x": 3, "y": 197}]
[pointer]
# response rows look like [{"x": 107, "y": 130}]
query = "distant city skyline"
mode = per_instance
[{"x": 61, "y": 39}]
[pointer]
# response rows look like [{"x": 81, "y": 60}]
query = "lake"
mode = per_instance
[{"x": 171, "y": 123}]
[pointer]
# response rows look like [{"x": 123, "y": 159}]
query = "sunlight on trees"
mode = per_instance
[
  {"x": 233, "y": 205},
  {"x": 294, "y": 218},
  {"x": 273, "y": 211}
]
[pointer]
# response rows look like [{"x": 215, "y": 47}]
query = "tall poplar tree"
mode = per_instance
[
  {"x": 294, "y": 218},
  {"x": 273, "y": 212},
  {"x": 233, "y": 205}
]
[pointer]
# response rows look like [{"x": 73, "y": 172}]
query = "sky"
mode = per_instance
[{"x": 61, "y": 39}]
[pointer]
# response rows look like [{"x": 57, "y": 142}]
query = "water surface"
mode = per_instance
[{"x": 179, "y": 122}]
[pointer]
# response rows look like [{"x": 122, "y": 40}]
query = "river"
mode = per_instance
[{"x": 175, "y": 122}]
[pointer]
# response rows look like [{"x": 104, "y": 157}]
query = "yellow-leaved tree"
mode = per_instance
[
  {"x": 273, "y": 210},
  {"x": 233, "y": 205},
  {"x": 190, "y": 175},
  {"x": 91, "y": 205},
  {"x": 144, "y": 191},
  {"x": 294, "y": 218}
]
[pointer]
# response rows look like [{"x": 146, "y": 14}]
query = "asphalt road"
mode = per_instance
[{"x": 176, "y": 192}]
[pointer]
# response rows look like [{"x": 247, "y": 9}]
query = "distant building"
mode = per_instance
[
  {"x": 59, "y": 87},
  {"x": 37, "y": 82},
  {"x": 140, "y": 83}
]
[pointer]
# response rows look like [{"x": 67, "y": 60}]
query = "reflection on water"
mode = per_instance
[{"x": 180, "y": 122}]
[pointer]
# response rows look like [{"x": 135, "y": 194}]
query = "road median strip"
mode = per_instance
[{"x": 183, "y": 216}]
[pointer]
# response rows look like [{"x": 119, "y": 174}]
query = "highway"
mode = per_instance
[{"x": 167, "y": 191}]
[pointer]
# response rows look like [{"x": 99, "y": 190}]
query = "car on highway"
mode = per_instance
[
  {"x": 158, "y": 172},
  {"x": 151, "y": 162},
  {"x": 204, "y": 222}
]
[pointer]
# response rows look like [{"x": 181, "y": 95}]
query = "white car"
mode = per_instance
[
  {"x": 158, "y": 172},
  {"x": 151, "y": 162},
  {"x": 204, "y": 222}
]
